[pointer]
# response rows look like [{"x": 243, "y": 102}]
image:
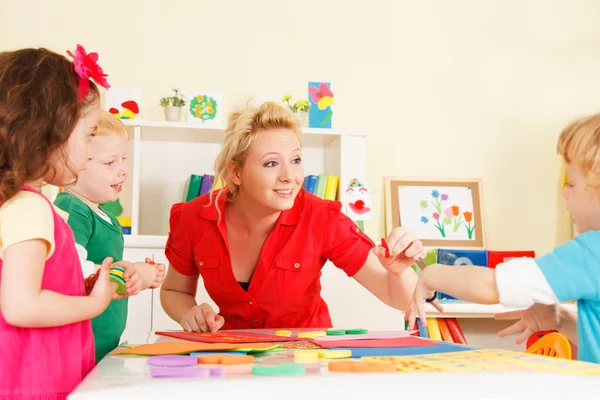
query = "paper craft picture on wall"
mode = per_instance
[
  {"x": 320, "y": 97},
  {"x": 358, "y": 200},
  {"x": 204, "y": 109},
  {"x": 441, "y": 213},
  {"x": 123, "y": 103}
]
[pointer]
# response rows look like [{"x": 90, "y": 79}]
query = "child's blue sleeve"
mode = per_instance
[{"x": 572, "y": 269}]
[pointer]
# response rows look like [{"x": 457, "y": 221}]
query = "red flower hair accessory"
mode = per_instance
[{"x": 86, "y": 66}]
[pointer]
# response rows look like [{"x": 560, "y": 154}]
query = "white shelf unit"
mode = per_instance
[
  {"x": 457, "y": 309},
  {"x": 162, "y": 157}
]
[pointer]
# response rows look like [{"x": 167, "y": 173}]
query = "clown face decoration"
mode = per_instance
[{"x": 358, "y": 199}]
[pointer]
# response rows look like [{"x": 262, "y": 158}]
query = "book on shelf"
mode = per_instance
[
  {"x": 323, "y": 186},
  {"x": 197, "y": 185}
]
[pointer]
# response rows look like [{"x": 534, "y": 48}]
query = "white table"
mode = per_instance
[{"x": 128, "y": 378}]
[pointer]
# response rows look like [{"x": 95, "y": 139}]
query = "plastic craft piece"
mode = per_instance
[
  {"x": 336, "y": 332},
  {"x": 332, "y": 354},
  {"x": 312, "y": 335},
  {"x": 217, "y": 372},
  {"x": 172, "y": 361},
  {"x": 117, "y": 277},
  {"x": 316, "y": 354},
  {"x": 225, "y": 359},
  {"x": 283, "y": 332},
  {"x": 282, "y": 368},
  {"x": 179, "y": 372},
  {"x": 358, "y": 331},
  {"x": 360, "y": 367}
]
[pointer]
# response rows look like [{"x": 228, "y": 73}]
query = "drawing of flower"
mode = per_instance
[
  {"x": 447, "y": 221},
  {"x": 448, "y": 212},
  {"x": 438, "y": 225},
  {"x": 437, "y": 204},
  {"x": 457, "y": 221},
  {"x": 322, "y": 95},
  {"x": 468, "y": 218}
]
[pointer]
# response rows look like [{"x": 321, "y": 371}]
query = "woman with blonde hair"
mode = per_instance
[{"x": 260, "y": 242}]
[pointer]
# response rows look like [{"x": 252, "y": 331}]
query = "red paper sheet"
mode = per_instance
[
  {"x": 227, "y": 337},
  {"x": 409, "y": 341}
]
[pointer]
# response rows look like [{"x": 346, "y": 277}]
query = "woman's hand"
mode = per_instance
[
  {"x": 202, "y": 318},
  {"x": 403, "y": 249}
]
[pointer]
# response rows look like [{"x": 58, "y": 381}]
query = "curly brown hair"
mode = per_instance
[{"x": 38, "y": 113}]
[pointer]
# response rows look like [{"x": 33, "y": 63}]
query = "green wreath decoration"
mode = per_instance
[{"x": 203, "y": 107}]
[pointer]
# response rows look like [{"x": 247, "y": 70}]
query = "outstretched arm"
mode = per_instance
[{"x": 391, "y": 279}]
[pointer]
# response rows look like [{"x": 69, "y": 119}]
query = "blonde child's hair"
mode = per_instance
[
  {"x": 579, "y": 145},
  {"x": 109, "y": 125},
  {"x": 242, "y": 129}
]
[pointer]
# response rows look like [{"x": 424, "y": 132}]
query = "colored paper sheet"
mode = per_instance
[
  {"x": 164, "y": 348},
  {"x": 358, "y": 352},
  {"x": 409, "y": 341},
  {"x": 226, "y": 337}
]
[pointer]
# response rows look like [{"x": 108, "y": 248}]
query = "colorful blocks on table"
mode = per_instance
[
  {"x": 312, "y": 335},
  {"x": 339, "y": 332},
  {"x": 333, "y": 354},
  {"x": 316, "y": 354},
  {"x": 358, "y": 331},
  {"x": 282, "y": 368},
  {"x": 306, "y": 354},
  {"x": 225, "y": 359},
  {"x": 172, "y": 361}
]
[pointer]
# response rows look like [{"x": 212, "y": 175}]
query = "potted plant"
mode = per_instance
[
  {"x": 173, "y": 106},
  {"x": 299, "y": 108}
]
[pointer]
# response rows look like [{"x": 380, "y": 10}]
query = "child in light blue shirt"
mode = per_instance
[{"x": 570, "y": 272}]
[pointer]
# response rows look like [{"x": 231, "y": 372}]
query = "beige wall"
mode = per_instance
[{"x": 445, "y": 88}]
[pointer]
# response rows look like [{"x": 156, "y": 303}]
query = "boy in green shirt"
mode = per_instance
[{"x": 98, "y": 233}]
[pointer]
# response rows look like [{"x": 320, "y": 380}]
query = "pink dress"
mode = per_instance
[{"x": 48, "y": 363}]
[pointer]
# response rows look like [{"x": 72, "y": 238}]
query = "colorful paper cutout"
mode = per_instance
[
  {"x": 359, "y": 202},
  {"x": 320, "y": 97},
  {"x": 204, "y": 109},
  {"x": 123, "y": 103}
]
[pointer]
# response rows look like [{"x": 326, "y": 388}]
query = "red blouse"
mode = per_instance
[{"x": 285, "y": 289}]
